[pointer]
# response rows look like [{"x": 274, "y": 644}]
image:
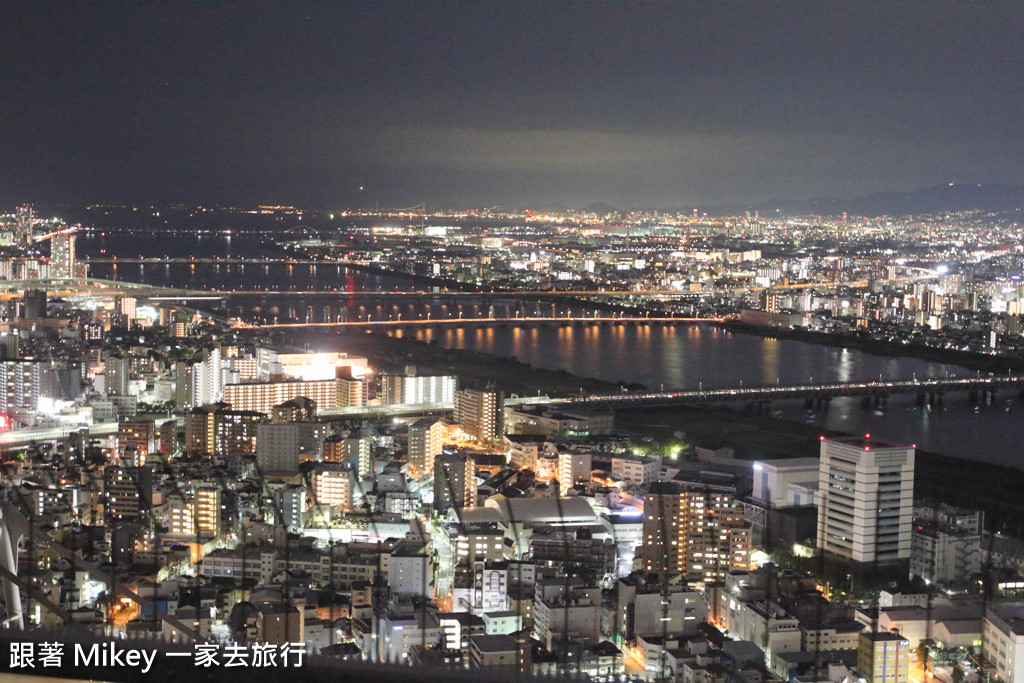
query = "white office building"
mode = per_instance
[{"x": 866, "y": 503}]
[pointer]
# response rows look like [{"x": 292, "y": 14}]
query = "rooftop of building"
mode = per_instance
[
  {"x": 501, "y": 614},
  {"x": 882, "y": 636},
  {"x": 465, "y": 619},
  {"x": 866, "y": 442},
  {"x": 494, "y": 643},
  {"x": 527, "y": 438},
  {"x": 788, "y": 464}
]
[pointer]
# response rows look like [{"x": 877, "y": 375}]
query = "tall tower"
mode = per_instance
[{"x": 866, "y": 500}]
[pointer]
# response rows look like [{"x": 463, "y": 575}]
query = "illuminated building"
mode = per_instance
[
  {"x": 116, "y": 372},
  {"x": 62, "y": 255},
  {"x": 419, "y": 389},
  {"x": 291, "y": 501},
  {"x": 314, "y": 366},
  {"x": 454, "y": 482},
  {"x": 137, "y": 436},
  {"x": 127, "y": 492},
  {"x": 351, "y": 392},
  {"x": 480, "y": 413},
  {"x": 696, "y": 530},
  {"x": 92, "y": 331},
  {"x": 200, "y": 428},
  {"x": 636, "y": 469},
  {"x": 20, "y": 385},
  {"x": 557, "y": 424},
  {"x": 217, "y": 428},
  {"x": 866, "y": 504},
  {"x": 573, "y": 468},
  {"x": 208, "y": 381},
  {"x": 263, "y": 396},
  {"x": 883, "y": 657},
  {"x": 207, "y": 504},
  {"x": 180, "y": 516},
  {"x": 300, "y": 409},
  {"x": 333, "y": 484},
  {"x": 425, "y": 440},
  {"x": 125, "y": 305},
  {"x": 234, "y": 431},
  {"x": 1002, "y": 641},
  {"x": 23, "y": 225},
  {"x": 354, "y": 451}
]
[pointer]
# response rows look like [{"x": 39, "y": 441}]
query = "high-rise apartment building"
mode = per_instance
[
  {"x": 217, "y": 429},
  {"x": 425, "y": 442},
  {"x": 62, "y": 255},
  {"x": 137, "y": 438},
  {"x": 352, "y": 450},
  {"x": 207, "y": 505},
  {"x": 208, "y": 380},
  {"x": 866, "y": 500},
  {"x": 290, "y": 502},
  {"x": 200, "y": 428},
  {"x": 694, "y": 529},
  {"x": 126, "y": 305},
  {"x": 299, "y": 409},
  {"x": 127, "y": 492},
  {"x": 263, "y": 396},
  {"x": 196, "y": 515},
  {"x": 20, "y": 385},
  {"x": 418, "y": 389},
  {"x": 116, "y": 372},
  {"x": 333, "y": 484},
  {"x": 234, "y": 431},
  {"x": 454, "y": 481},
  {"x": 573, "y": 468},
  {"x": 280, "y": 447},
  {"x": 480, "y": 412},
  {"x": 351, "y": 392}
]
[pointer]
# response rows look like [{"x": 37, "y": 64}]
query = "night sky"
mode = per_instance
[{"x": 513, "y": 103}]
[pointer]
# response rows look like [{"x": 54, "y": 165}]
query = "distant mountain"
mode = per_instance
[{"x": 950, "y": 197}]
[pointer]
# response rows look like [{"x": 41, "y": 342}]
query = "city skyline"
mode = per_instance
[{"x": 659, "y": 104}]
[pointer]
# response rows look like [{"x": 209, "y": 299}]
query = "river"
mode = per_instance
[{"x": 673, "y": 357}]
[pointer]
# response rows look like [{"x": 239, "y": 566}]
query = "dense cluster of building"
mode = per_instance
[
  {"x": 951, "y": 281},
  {"x": 398, "y": 517},
  {"x": 196, "y": 481}
]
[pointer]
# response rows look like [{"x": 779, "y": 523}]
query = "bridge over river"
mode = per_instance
[{"x": 927, "y": 390}]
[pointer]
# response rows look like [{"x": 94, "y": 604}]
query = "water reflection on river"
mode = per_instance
[{"x": 678, "y": 356}]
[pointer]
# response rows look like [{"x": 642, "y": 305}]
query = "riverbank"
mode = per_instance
[{"x": 968, "y": 483}]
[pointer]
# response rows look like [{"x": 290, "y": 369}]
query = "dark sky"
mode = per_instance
[{"x": 513, "y": 103}]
